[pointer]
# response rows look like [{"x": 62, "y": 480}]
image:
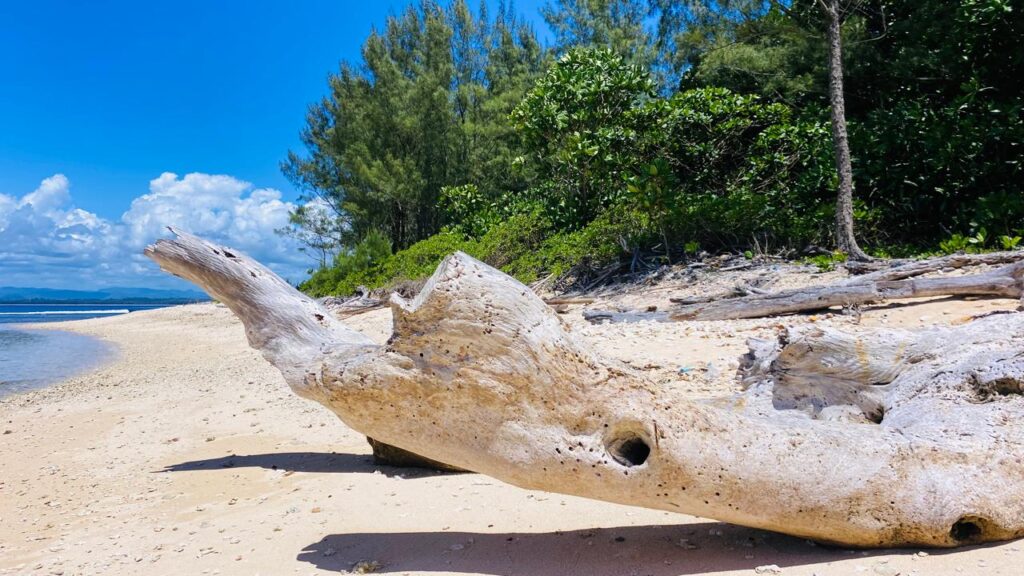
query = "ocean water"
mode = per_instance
[
  {"x": 31, "y": 357},
  {"x": 25, "y": 313}
]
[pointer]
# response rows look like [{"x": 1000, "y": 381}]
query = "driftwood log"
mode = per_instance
[
  {"x": 874, "y": 438},
  {"x": 879, "y": 286}
]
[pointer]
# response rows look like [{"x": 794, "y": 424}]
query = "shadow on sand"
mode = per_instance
[
  {"x": 322, "y": 462},
  {"x": 660, "y": 550}
]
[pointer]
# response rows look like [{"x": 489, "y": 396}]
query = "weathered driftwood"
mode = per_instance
[
  {"x": 878, "y": 286},
  {"x": 884, "y": 267},
  {"x": 882, "y": 438},
  {"x": 1003, "y": 282}
]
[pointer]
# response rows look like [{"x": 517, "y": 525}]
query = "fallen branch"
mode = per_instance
[
  {"x": 1003, "y": 282},
  {"x": 741, "y": 289},
  {"x": 559, "y": 301},
  {"x": 745, "y": 301},
  {"x": 919, "y": 267}
]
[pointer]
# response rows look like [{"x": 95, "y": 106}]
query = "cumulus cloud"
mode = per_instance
[{"x": 46, "y": 241}]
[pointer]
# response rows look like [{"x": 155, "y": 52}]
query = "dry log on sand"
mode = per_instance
[
  {"x": 883, "y": 438},
  {"x": 1004, "y": 282},
  {"x": 885, "y": 269},
  {"x": 879, "y": 286}
]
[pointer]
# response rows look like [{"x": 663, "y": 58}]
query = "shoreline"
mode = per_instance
[
  {"x": 188, "y": 454},
  {"x": 85, "y": 353}
]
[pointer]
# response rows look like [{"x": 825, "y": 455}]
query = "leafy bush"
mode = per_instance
[
  {"x": 955, "y": 243},
  {"x": 370, "y": 251},
  {"x": 415, "y": 262},
  {"x": 1009, "y": 242},
  {"x": 515, "y": 238},
  {"x": 467, "y": 210},
  {"x": 727, "y": 167},
  {"x": 583, "y": 122},
  {"x": 572, "y": 255},
  {"x": 827, "y": 262}
]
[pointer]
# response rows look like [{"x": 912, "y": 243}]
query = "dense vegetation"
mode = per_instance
[{"x": 655, "y": 128}]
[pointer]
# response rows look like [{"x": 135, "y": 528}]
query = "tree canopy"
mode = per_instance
[{"x": 658, "y": 127}]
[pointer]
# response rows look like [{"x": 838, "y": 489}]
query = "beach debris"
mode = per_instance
[
  {"x": 366, "y": 567},
  {"x": 768, "y": 569},
  {"x": 898, "y": 282},
  {"x": 867, "y": 438},
  {"x": 711, "y": 371}
]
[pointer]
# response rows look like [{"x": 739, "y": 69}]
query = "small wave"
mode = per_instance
[{"x": 65, "y": 312}]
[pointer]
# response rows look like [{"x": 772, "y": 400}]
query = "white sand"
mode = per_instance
[{"x": 189, "y": 455}]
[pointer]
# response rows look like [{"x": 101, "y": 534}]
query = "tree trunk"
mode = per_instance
[
  {"x": 880, "y": 286},
  {"x": 846, "y": 241},
  {"x": 1004, "y": 282},
  {"x": 883, "y": 438}
]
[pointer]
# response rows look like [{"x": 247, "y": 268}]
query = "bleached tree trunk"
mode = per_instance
[
  {"x": 880, "y": 286},
  {"x": 884, "y": 438},
  {"x": 1005, "y": 282}
]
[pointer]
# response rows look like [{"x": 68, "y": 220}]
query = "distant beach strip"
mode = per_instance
[
  {"x": 67, "y": 312},
  {"x": 60, "y": 312}
]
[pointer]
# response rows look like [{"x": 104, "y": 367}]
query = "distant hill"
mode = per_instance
[{"x": 18, "y": 295}]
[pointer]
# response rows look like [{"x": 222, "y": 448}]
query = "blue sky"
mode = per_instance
[{"x": 111, "y": 97}]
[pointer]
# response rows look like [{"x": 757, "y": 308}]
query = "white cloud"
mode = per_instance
[{"x": 46, "y": 241}]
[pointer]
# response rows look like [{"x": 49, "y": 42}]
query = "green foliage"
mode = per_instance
[
  {"x": 935, "y": 102},
  {"x": 729, "y": 167},
  {"x": 955, "y": 243},
  {"x": 459, "y": 132},
  {"x": 525, "y": 246},
  {"x": 1009, "y": 242},
  {"x": 572, "y": 255},
  {"x": 616, "y": 25},
  {"x": 516, "y": 238},
  {"x": 827, "y": 262},
  {"x": 978, "y": 242},
  {"x": 369, "y": 252},
  {"x": 427, "y": 108},
  {"x": 415, "y": 262},
  {"x": 467, "y": 210},
  {"x": 582, "y": 122}
]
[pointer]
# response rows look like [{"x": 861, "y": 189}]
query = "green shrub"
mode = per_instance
[
  {"x": 576, "y": 254},
  {"x": 517, "y": 237},
  {"x": 727, "y": 168},
  {"x": 415, "y": 262},
  {"x": 370, "y": 251},
  {"x": 583, "y": 122},
  {"x": 827, "y": 262},
  {"x": 467, "y": 210}
]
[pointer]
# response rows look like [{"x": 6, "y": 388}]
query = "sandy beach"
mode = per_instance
[{"x": 189, "y": 455}]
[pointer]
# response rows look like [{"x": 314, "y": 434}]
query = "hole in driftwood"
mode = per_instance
[
  {"x": 968, "y": 529},
  {"x": 875, "y": 416},
  {"x": 992, "y": 389},
  {"x": 1006, "y": 386},
  {"x": 629, "y": 449}
]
